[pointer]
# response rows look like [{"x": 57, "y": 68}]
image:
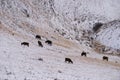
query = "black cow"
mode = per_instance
[
  {"x": 68, "y": 60},
  {"x": 38, "y": 37},
  {"x": 48, "y": 42},
  {"x": 105, "y": 58},
  {"x": 84, "y": 54},
  {"x": 25, "y": 43},
  {"x": 40, "y": 44}
]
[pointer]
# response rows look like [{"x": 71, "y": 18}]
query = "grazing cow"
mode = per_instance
[
  {"x": 105, "y": 58},
  {"x": 25, "y": 43},
  {"x": 84, "y": 54},
  {"x": 38, "y": 37},
  {"x": 40, "y": 44},
  {"x": 68, "y": 60},
  {"x": 48, "y": 42}
]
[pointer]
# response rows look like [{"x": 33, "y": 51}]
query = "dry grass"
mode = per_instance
[{"x": 96, "y": 61}]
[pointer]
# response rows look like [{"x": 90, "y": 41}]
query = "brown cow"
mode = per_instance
[
  {"x": 25, "y": 43},
  {"x": 48, "y": 42},
  {"x": 38, "y": 37},
  {"x": 40, "y": 44},
  {"x": 84, "y": 54},
  {"x": 105, "y": 58},
  {"x": 68, "y": 60}
]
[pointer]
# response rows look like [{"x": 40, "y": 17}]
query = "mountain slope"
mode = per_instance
[
  {"x": 21, "y": 62},
  {"x": 69, "y": 25}
]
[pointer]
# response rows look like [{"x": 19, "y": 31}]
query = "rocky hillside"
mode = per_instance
[
  {"x": 109, "y": 36},
  {"x": 73, "y": 26},
  {"x": 73, "y": 19}
]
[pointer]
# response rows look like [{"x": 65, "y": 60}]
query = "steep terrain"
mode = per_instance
[{"x": 69, "y": 25}]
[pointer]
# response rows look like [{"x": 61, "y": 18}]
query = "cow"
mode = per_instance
[
  {"x": 38, "y": 37},
  {"x": 68, "y": 60},
  {"x": 48, "y": 42},
  {"x": 105, "y": 58},
  {"x": 25, "y": 43},
  {"x": 40, "y": 44},
  {"x": 84, "y": 54}
]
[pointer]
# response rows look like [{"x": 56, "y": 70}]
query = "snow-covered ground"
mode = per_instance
[
  {"x": 21, "y": 20},
  {"x": 110, "y": 35},
  {"x": 21, "y": 62}
]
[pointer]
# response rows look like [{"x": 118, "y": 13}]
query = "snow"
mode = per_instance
[
  {"x": 105, "y": 8},
  {"x": 110, "y": 36},
  {"x": 21, "y": 63},
  {"x": 18, "y": 62}
]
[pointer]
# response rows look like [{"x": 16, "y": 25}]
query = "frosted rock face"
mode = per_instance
[
  {"x": 85, "y": 11},
  {"x": 83, "y": 14},
  {"x": 109, "y": 34},
  {"x": 74, "y": 8}
]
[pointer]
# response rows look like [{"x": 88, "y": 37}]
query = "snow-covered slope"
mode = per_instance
[
  {"x": 110, "y": 34},
  {"x": 68, "y": 24},
  {"x": 22, "y": 63},
  {"x": 84, "y": 13},
  {"x": 108, "y": 37}
]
